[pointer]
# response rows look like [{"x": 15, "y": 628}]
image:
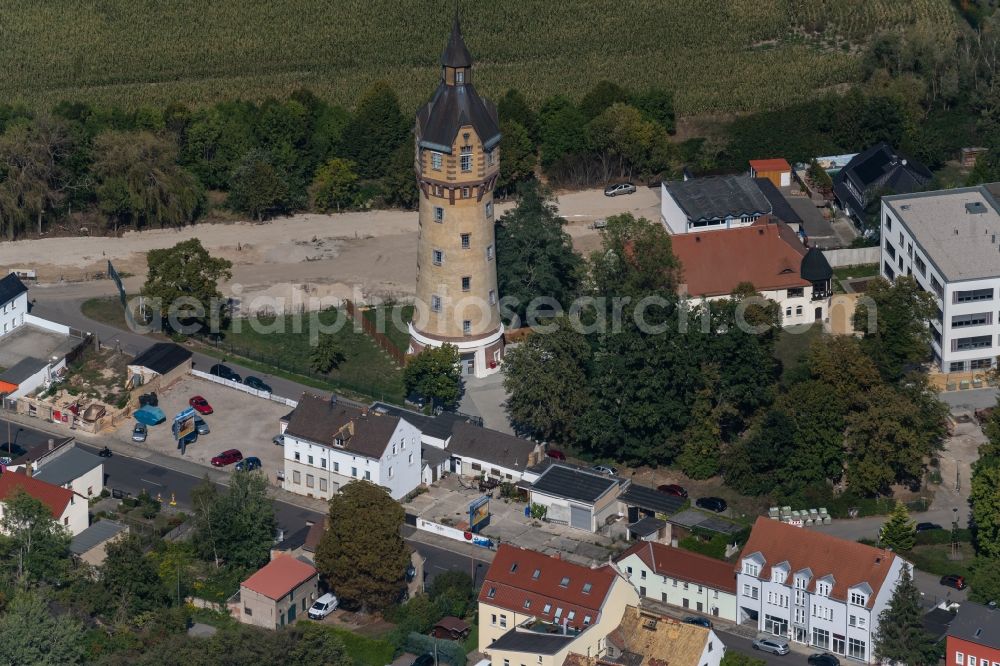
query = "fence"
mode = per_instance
[
  {"x": 454, "y": 533},
  {"x": 246, "y": 389},
  {"x": 47, "y": 325},
  {"x": 384, "y": 343},
  {"x": 852, "y": 256}
]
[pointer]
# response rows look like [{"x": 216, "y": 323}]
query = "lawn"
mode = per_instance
[
  {"x": 859, "y": 271},
  {"x": 393, "y": 323},
  {"x": 135, "y": 54},
  {"x": 105, "y": 310},
  {"x": 792, "y": 345},
  {"x": 934, "y": 559},
  {"x": 279, "y": 343}
]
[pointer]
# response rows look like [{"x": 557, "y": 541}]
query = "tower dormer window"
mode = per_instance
[
  {"x": 466, "y": 158},
  {"x": 436, "y": 161},
  {"x": 490, "y": 157},
  {"x": 460, "y": 76}
]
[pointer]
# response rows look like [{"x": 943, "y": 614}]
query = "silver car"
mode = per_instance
[
  {"x": 605, "y": 469},
  {"x": 139, "y": 432},
  {"x": 772, "y": 644},
  {"x": 619, "y": 188}
]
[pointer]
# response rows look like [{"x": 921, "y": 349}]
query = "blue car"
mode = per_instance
[{"x": 248, "y": 464}]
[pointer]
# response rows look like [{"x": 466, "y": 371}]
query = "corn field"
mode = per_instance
[{"x": 718, "y": 55}]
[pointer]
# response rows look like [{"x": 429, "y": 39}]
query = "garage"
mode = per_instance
[
  {"x": 580, "y": 498},
  {"x": 580, "y": 517}
]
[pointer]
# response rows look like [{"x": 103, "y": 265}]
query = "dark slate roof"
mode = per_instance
[
  {"x": 573, "y": 484},
  {"x": 780, "y": 207},
  {"x": 532, "y": 642},
  {"x": 438, "y": 427},
  {"x": 455, "y": 54},
  {"x": 296, "y": 539},
  {"x": 318, "y": 420},
  {"x": 651, "y": 499},
  {"x": 815, "y": 267},
  {"x": 977, "y": 624},
  {"x": 432, "y": 455},
  {"x": 491, "y": 446},
  {"x": 162, "y": 357},
  {"x": 10, "y": 288},
  {"x": 880, "y": 167},
  {"x": 937, "y": 621},
  {"x": 646, "y": 526},
  {"x": 95, "y": 535},
  {"x": 23, "y": 369},
  {"x": 719, "y": 197},
  {"x": 67, "y": 466}
]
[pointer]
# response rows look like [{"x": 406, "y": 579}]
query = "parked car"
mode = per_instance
[
  {"x": 772, "y": 644},
  {"x": 424, "y": 660},
  {"x": 139, "y": 432},
  {"x": 323, "y": 606},
  {"x": 278, "y": 440},
  {"x": 823, "y": 659},
  {"x": 619, "y": 188},
  {"x": 556, "y": 454},
  {"x": 256, "y": 383},
  {"x": 716, "y": 504},
  {"x": 200, "y": 405},
  {"x": 605, "y": 469},
  {"x": 672, "y": 489},
  {"x": 227, "y": 458},
  {"x": 700, "y": 621},
  {"x": 955, "y": 581},
  {"x": 200, "y": 426},
  {"x": 224, "y": 372},
  {"x": 925, "y": 527},
  {"x": 248, "y": 464}
]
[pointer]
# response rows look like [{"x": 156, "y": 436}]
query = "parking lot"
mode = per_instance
[{"x": 239, "y": 421}]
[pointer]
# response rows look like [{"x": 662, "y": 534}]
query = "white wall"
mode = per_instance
[
  {"x": 92, "y": 481},
  {"x": 853, "y": 256},
  {"x": 795, "y": 310},
  {"x": 674, "y": 591},
  {"x": 75, "y": 518},
  {"x": 400, "y": 470},
  {"x": 45, "y": 323},
  {"x": 31, "y": 383},
  {"x": 714, "y": 650},
  {"x": 671, "y": 214},
  {"x": 12, "y": 313}
]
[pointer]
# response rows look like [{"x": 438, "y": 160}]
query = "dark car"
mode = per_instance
[
  {"x": 556, "y": 454},
  {"x": 200, "y": 405},
  {"x": 716, "y": 504},
  {"x": 224, "y": 372},
  {"x": 700, "y": 621},
  {"x": 248, "y": 464},
  {"x": 619, "y": 188},
  {"x": 953, "y": 580},
  {"x": 823, "y": 659},
  {"x": 257, "y": 383},
  {"x": 672, "y": 489},
  {"x": 424, "y": 660},
  {"x": 227, "y": 458},
  {"x": 925, "y": 527}
]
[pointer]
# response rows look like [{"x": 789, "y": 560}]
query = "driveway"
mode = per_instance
[{"x": 485, "y": 398}]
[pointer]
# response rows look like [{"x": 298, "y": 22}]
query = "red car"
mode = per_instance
[
  {"x": 556, "y": 454},
  {"x": 227, "y": 458},
  {"x": 673, "y": 489},
  {"x": 200, "y": 405}
]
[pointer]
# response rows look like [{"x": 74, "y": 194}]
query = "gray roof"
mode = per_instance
[
  {"x": 780, "y": 208},
  {"x": 977, "y": 624},
  {"x": 438, "y": 427},
  {"x": 67, "y": 466},
  {"x": 719, "y": 197},
  {"x": 162, "y": 357},
  {"x": 651, "y": 499},
  {"x": 490, "y": 446},
  {"x": 646, "y": 526},
  {"x": 23, "y": 369},
  {"x": 319, "y": 420},
  {"x": 532, "y": 642},
  {"x": 432, "y": 455},
  {"x": 815, "y": 266},
  {"x": 10, "y": 288},
  {"x": 95, "y": 535},
  {"x": 962, "y": 245},
  {"x": 456, "y": 54},
  {"x": 574, "y": 484}
]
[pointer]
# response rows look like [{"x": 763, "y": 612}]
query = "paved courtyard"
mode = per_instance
[
  {"x": 485, "y": 398},
  {"x": 447, "y": 502},
  {"x": 28, "y": 340},
  {"x": 240, "y": 421}
]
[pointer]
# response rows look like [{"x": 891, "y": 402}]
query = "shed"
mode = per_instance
[
  {"x": 451, "y": 628},
  {"x": 165, "y": 360},
  {"x": 778, "y": 171},
  {"x": 91, "y": 544},
  {"x": 576, "y": 497}
]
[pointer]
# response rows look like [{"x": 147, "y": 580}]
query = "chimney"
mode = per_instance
[{"x": 52, "y": 444}]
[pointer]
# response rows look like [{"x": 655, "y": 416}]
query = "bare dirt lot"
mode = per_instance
[
  {"x": 350, "y": 255},
  {"x": 240, "y": 421}
]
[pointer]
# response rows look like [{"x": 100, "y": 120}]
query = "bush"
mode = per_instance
[
  {"x": 937, "y": 537},
  {"x": 366, "y": 651},
  {"x": 447, "y": 651}
]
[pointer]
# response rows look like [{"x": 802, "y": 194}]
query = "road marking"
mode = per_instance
[{"x": 152, "y": 483}]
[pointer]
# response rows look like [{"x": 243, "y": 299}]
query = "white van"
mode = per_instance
[{"x": 323, "y": 607}]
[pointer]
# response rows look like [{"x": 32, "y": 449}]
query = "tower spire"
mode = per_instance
[{"x": 455, "y": 53}]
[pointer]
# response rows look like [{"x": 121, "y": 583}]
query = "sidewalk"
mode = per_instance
[{"x": 413, "y": 535}]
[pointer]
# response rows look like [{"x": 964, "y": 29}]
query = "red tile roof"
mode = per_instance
[
  {"x": 849, "y": 562},
  {"x": 54, "y": 497},
  {"x": 776, "y": 164},
  {"x": 511, "y": 581},
  {"x": 279, "y": 577},
  {"x": 684, "y": 565},
  {"x": 714, "y": 263}
]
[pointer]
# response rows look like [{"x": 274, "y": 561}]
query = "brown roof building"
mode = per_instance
[
  {"x": 327, "y": 422},
  {"x": 278, "y": 593}
]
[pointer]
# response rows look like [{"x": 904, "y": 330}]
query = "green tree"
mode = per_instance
[
  {"x": 657, "y": 105},
  {"x": 376, "y": 129},
  {"x": 901, "y": 336},
  {"x": 184, "y": 281},
  {"x": 899, "y": 532},
  {"x": 636, "y": 260},
  {"x": 519, "y": 157},
  {"x": 317, "y": 645},
  {"x": 39, "y": 545},
  {"x": 259, "y": 188},
  {"x": 700, "y": 456},
  {"x": 561, "y": 131},
  {"x": 32, "y": 169},
  {"x": 984, "y": 498},
  {"x": 535, "y": 256},
  {"x": 734, "y": 658},
  {"x": 130, "y": 579},
  {"x": 434, "y": 374},
  {"x": 900, "y": 637},
  {"x": 235, "y": 526},
  {"x": 30, "y": 634},
  {"x": 334, "y": 187},
  {"x": 819, "y": 178},
  {"x": 326, "y": 355},
  {"x": 546, "y": 379},
  {"x": 603, "y": 95},
  {"x": 453, "y": 592},
  {"x": 984, "y": 580},
  {"x": 514, "y": 108},
  {"x": 626, "y": 143},
  {"x": 215, "y": 140},
  {"x": 362, "y": 554}
]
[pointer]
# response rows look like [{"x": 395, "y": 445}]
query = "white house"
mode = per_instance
[
  {"x": 73, "y": 469},
  {"x": 815, "y": 589},
  {"x": 681, "y": 578},
  {"x": 13, "y": 303},
  {"x": 68, "y": 508},
  {"x": 949, "y": 241},
  {"x": 708, "y": 204},
  {"x": 329, "y": 444}
]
